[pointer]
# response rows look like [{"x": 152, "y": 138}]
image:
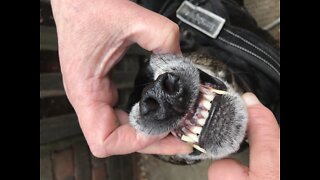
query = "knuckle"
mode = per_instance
[
  {"x": 174, "y": 28},
  {"x": 97, "y": 151}
]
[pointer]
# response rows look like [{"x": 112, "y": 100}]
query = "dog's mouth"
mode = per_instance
[
  {"x": 195, "y": 122},
  {"x": 201, "y": 109}
]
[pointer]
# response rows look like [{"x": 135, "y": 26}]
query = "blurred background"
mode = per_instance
[{"x": 64, "y": 154}]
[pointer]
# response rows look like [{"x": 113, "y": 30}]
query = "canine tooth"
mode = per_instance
[
  {"x": 201, "y": 121},
  {"x": 187, "y": 139},
  {"x": 206, "y": 104},
  {"x": 218, "y": 91},
  {"x": 199, "y": 148},
  {"x": 195, "y": 129},
  {"x": 205, "y": 114}
]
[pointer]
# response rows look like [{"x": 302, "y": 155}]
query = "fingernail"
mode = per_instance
[{"x": 250, "y": 99}]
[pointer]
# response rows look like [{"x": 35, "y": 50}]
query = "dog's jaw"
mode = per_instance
[{"x": 222, "y": 132}]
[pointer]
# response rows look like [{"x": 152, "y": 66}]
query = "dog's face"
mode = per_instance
[{"x": 193, "y": 97}]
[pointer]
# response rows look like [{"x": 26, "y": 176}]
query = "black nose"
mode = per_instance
[{"x": 164, "y": 97}]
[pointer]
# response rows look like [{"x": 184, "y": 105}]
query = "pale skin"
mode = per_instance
[
  {"x": 264, "y": 140},
  {"x": 92, "y": 37}
]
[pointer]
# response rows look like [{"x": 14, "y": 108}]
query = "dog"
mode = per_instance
[{"x": 196, "y": 96}]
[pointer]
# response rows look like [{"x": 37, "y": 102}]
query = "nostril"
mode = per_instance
[
  {"x": 149, "y": 105},
  {"x": 170, "y": 84}
]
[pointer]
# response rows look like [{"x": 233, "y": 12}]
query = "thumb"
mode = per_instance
[
  {"x": 264, "y": 139},
  {"x": 155, "y": 32},
  {"x": 227, "y": 169}
]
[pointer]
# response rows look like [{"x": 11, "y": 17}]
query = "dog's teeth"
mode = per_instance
[
  {"x": 201, "y": 121},
  {"x": 190, "y": 134},
  {"x": 204, "y": 114},
  {"x": 209, "y": 97},
  {"x": 206, "y": 104},
  {"x": 194, "y": 137},
  {"x": 218, "y": 91},
  {"x": 199, "y": 148},
  {"x": 187, "y": 139},
  {"x": 195, "y": 129}
]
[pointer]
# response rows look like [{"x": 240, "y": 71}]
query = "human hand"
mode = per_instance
[
  {"x": 264, "y": 140},
  {"x": 92, "y": 37}
]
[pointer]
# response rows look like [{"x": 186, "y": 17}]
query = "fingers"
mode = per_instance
[
  {"x": 92, "y": 38},
  {"x": 159, "y": 37},
  {"x": 104, "y": 134},
  {"x": 227, "y": 169},
  {"x": 126, "y": 140},
  {"x": 264, "y": 139},
  {"x": 122, "y": 116},
  {"x": 169, "y": 145}
]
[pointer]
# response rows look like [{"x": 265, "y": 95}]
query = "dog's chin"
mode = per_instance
[{"x": 217, "y": 122}]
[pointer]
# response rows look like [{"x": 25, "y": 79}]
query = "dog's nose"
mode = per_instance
[{"x": 164, "y": 97}]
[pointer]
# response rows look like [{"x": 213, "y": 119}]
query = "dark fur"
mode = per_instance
[{"x": 241, "y": 75}]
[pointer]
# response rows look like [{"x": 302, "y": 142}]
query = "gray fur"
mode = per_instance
[
  {"x": 188, "y": 74},
  {"x": 228, "y": 125}
]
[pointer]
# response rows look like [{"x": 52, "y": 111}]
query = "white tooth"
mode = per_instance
[
  {"x": 204, "y": 114},
  {"x": 187, "y": 139},
  {"x": 201, "y": 121},
  {"x": 195, "y": 129},
  {"x": 199, "y": 148},
  {"x": 193, "y": 136},
  {"x": 206, "y": 104},
  {"x": 209, "y": 97},
  {"x": 190, "y": 134},
  {"x": 218, "y": 91}
]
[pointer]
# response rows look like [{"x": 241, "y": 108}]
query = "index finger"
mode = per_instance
[{"x": 264, "y": 138}]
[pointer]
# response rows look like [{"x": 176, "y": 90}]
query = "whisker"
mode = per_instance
[{"x": 163, "y": 60}]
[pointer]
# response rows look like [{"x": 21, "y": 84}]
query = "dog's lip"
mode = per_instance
[
  {"x": 206, "y": 78},
  {"x": 214, "y": 109}
]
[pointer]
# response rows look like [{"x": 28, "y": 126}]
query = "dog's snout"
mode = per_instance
[{"x": 163, "y": 97}]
